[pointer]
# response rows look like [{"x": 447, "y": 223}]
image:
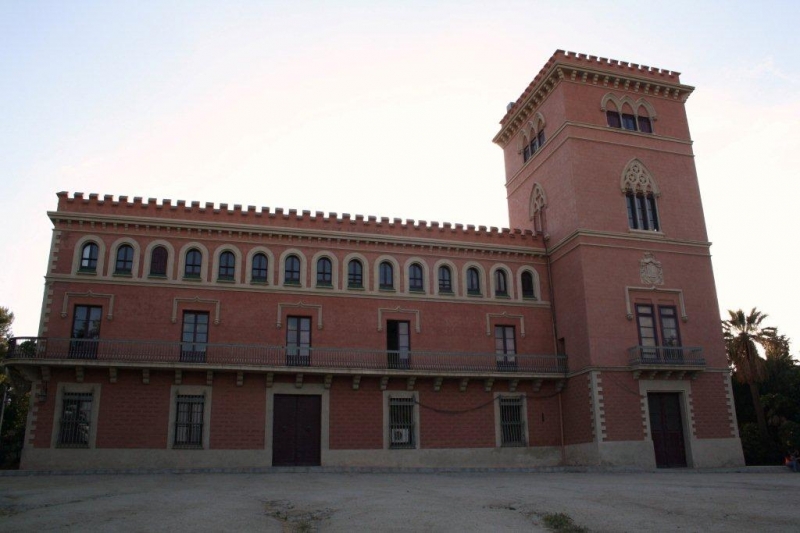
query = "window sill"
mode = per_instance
[
  {"x": 416, "y": 291},
  {"x": 324, "y": 285},
  {"x": 82, "y": 272},
  {"x": 259, "y": 282},
  {"x": 226, "y": 280},
  {"x": 355, "y": 287},
  {"x": 474, "y": 293},
  {"x": 122, "y": 275},
  {"x": 531, "y": 297},
  {"x": 648, "y": 232},
  {"x": 192, "y": 278},
  {"x": 291, "y": 283},
  {"x": 73, "y": 446},
  {"x": 446, "y": 293},
  {"x": 187, "y": 447},
  {"x": 503, "y": 296},
  {"x": 387, "y": 289},
  {"x": 157, "y": 276}
]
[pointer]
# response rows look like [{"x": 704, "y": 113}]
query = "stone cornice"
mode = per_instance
[
  {"x": 636, "y": 236},
  {"x": 580, "y": 68},
  {"x": 195, "y": 229}
]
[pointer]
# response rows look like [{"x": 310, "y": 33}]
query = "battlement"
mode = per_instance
[
  {"x": 222, "y": 213},
  {"x": 614, "y": 67}
]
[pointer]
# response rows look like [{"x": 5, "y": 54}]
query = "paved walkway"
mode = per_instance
[{"x": 436, "y": 502}]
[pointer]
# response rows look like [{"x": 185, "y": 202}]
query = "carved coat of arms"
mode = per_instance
[{"x": 650, "y": 270}]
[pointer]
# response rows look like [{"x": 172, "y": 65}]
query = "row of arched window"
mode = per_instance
[{"x": 292, "y": 270}]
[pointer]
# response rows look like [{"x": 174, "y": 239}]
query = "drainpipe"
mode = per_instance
[{"x": 545, "y": 238}]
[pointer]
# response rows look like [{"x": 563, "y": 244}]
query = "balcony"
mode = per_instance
[
  {"x": 86, "y": 353},
  {"x": 664, "y": 362}
]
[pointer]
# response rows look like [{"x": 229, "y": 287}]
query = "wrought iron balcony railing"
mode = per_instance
[
  {"x": 666, "y": 355},
  {"x": 30, "y": 349}
]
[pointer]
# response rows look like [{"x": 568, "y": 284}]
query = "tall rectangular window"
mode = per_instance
[
  {"x": 298, "y": 341},
  {"x": 189, "y": 421},
  {"x": 76, "y": 416},
  {"x": 194, "y": 336},
  {"x": 85, "y": 331},
  {"x": 398, "y": 343},
  {"x": 648, "y": 335},
  {"x": 401, "y": 423},
  {"x": 512, "y": 421},
  {"x": 505, "y": 347}
]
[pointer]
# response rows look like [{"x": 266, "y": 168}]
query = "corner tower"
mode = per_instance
[{"x": 598, "y": 158}]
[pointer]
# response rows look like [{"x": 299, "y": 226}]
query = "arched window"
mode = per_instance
[
  {"x": 612, "y": 116},
  {"x": 536, "y": 207},
  {"x": 291, "y": 275},
  {"x": 194, "y": 263},
  {"x": 527, "y": 285},
  {"x": 124, "y": 264},
  {"x": 158, "y": 261},
  {"x": 324, "y": 272},
  {"x": 640, "y": 192},
  {"x": 473, "y": 281},
  {"x": 500, "y": 283},
  {"x": 445, "y": 279},
  {"x": 355, "y": 274},
  {"x": 386, "y": 279},
  {"x": 625, "y": 113},
  {"x": 415, "y": 278},
  {"x": 227, "y": 266},
  {"x": 258, "y": 273},
  {"x": 89, "y": 257},
  {"x": 537, "y": 138}
]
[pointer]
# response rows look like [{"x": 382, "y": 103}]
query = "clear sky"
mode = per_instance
[{"x": 377, "y": 108}]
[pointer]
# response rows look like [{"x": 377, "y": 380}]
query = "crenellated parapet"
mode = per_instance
[
  {"x": 153, "y": 211},
  {"x": 582, "y": 68}
]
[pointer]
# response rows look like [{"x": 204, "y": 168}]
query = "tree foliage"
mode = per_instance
[
  {"x": 766, "y": 389},
  {"x": 16, "y": 392}
]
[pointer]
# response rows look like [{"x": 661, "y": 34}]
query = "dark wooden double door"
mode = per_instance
[
  {"x": 666, "y": 427},
  {"x": 296, "y": 430}
]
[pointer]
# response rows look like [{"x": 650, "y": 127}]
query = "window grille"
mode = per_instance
[
  {"x": 189, "y": 421},
  {"x": 401, "y": 423},
  {"x": 76, "y": 416},
  {"x": 512, "y": 423}
]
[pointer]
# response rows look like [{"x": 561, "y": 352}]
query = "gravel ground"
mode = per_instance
[{"x": 495, "y": 501}]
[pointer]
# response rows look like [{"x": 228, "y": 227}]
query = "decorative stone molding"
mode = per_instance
[
  {"x": 490, "y": 316},
  {"x": 87, "y": 294},
  {"x": 537, "y": 202},
  {"x": 726, "y": 376},
  {"x": 622, "y": 100},
  {"x": 598, "y": 404},
  {"x": 299, "y": 305},
  {"x": 678, "y": 292},
  {"x": 636, "y": 178},
  {"x": 196, "y": 299},
  {"x": 650, "y": 270},
  {"x": 415, "y": 312}
]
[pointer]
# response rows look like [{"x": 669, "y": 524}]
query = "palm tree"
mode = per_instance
[{"x": 742, "y": 333}]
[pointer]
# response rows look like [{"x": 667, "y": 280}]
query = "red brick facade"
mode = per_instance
[{"x": 489, "y": 365}]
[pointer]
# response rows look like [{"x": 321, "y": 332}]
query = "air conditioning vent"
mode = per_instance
[{"x": 400, "y": 436}]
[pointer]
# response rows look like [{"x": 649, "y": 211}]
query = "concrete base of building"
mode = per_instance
[{"x": 701, "y": 453}]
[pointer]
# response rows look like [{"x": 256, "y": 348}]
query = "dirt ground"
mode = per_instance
[{"x": 458, "y": 501}]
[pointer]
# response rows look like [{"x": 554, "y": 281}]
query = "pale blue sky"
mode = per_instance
[{"x": 376, "y": 108}]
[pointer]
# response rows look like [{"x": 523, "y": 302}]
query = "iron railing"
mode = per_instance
[
  {"x": 666, "y": 355},
  {"x": 138, "y": 351}
]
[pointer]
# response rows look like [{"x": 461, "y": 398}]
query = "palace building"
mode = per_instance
[{"x": 180, "y": 334}]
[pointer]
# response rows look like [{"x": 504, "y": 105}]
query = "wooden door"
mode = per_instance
[
  {"x": 666, "y": 427},
  {"x": 296, "y": 430}
]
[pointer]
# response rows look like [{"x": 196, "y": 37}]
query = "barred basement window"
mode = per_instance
[
  {"x": 189, "y": 421},
  {"x": 512, "y": 423},
  {"x": 76, "y": 417},
  {"x": 401, "y": 423}
]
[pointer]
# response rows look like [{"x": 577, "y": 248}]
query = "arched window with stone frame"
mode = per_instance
[
  {"x": 640, "y": 191},
  {"x": 536, "y": 208}
]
